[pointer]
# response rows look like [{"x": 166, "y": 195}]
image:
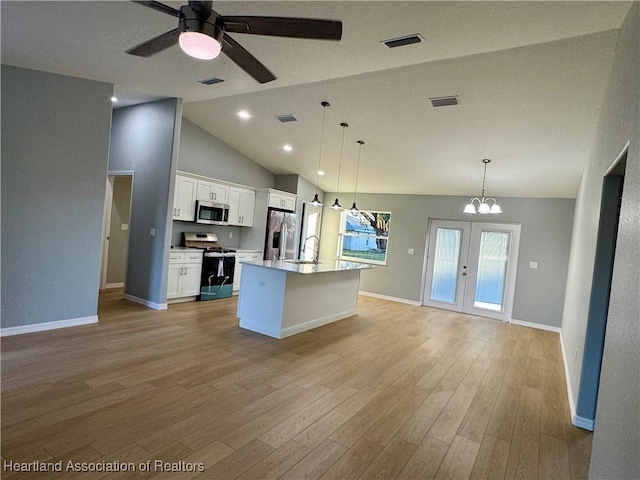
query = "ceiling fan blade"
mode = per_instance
[
  {"x": 245, "y": 60},
  {"x": 160, "y": 7},
  {"x": 155, "y": 45},
  {"x": 283, "y": 27}
]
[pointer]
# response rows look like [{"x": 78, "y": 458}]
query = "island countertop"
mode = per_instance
[{"x": 323, "y": 266}]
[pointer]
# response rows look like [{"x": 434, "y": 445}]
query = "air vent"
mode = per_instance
[
  {"x": 402, "y": 41},
  {"x": 445, "y": 101},
  {"x": 212, "y": 81},
  {"x": 286, "y": 118}
]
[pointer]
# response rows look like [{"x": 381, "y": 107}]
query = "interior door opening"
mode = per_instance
[
  {"x": 115, "y": 242},
  {"x": 610, "y": 203},
  {"x": 471, "y": 267}
]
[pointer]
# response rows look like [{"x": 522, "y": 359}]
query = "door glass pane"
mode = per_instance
[
  {"x": 445, "y": 265},
  {"x": 492, "y": 270}
]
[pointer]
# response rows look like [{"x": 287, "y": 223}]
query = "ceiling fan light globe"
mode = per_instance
[{"x": 199, "y": 45}]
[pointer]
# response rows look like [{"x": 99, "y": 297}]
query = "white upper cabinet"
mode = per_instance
[
  {"x": 184, "y": 200},
  {"x": 212, "y": 192},
  {"x": 241, "y": 206},
  {"x": 284, "y": 200}
]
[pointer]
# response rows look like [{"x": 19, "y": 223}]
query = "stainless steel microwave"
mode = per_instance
[{"x": 212, "y": 213}]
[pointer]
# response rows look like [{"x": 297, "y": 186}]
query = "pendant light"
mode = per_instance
[
  {"x": 483, "y": 203},
  {"x": 354, "y": 208},
  {"x": 316, "y": 201},
  {"x": 336, "y": 205}
]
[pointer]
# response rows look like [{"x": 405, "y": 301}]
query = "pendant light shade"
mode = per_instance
[
  {"x": 354, "y": 207},
  {"x": 483, "y": 203},
  {"x": 316, "y": 201},
  {"x": 336, "y": 205}
]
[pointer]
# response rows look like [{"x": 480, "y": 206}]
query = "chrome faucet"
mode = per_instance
[{"x": 316, "y": 250}]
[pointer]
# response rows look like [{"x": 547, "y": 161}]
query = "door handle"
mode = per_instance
[{"x": 464, "y": 274}]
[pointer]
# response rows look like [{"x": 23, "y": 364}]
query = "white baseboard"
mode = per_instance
[
  {"x": 114, "y": 285},
  {"x": 539, "y": 326},
  {"x": 391, "y": 299},
  {"x": 41, "y": 327},
  {"x": 181, "y": 300},
  {"x": 146, "y": 303},
  {"x": 287, "y": 332},
  {"x": 577, "y": 421},
  {"x": 582, "y": 422}
]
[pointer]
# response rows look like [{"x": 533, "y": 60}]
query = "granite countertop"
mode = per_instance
[{"x": 323, "y": 266}]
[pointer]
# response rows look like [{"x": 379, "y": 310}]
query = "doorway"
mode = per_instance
[
  {"x": 115, "y": 243},
  {"x": 471, "y": 267},
  {"x": 610, "y": 203}
]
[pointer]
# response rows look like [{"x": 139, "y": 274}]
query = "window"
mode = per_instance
[{"x": 364, "y": 236}]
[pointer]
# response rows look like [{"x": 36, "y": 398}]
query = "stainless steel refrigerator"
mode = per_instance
[{"x": 282, "y": 235}]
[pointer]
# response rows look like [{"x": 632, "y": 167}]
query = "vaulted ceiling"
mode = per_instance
[{"x": 530, "y": 77}]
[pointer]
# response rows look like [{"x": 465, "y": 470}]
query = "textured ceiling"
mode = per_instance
[{"x": 530, "y": 75}]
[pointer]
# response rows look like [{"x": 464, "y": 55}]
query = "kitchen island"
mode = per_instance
[{"x": 280, "y": 298}]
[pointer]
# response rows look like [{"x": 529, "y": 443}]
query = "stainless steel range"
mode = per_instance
[{"x": 218, "y": 265}]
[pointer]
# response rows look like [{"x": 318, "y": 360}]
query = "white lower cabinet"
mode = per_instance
[
  {"x": 243, "y": 256},
  {"x": 185, "y": 269}
]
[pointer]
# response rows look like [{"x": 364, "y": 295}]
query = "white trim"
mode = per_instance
[
  {"x": 615, "y": 162},
  {"x": 318, "y": 322},
  {"x": 114, "y": 285},
  {"x": 260, "y": 327},
  {"x": 572, "y": 405},
  {"x": 391, "y": 299},
  {"x": 181, "y": 300},
  {"x": 146, "y": 303},
  {"x": 539, "y": 326},
  {"x": 41, "y": 327},
  {"x": 582, "y": 422}
]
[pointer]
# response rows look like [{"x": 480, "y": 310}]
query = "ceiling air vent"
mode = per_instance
[
  {"x": 211, "y": 81},
  {"x": 445, "y": 101},
  {"x": 287, "y": 118},
  {"x": 402, "y": 41}
]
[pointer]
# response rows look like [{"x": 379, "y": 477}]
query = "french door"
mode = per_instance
[{"x": 471, "y": 267}]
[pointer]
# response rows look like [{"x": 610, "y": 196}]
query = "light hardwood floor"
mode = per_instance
[{"x": 396, "y": 391}]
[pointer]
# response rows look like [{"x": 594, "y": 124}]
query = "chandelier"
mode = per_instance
[{"x": 483, "y": 203}]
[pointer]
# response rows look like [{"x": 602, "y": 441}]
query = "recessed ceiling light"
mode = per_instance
[
  {"x": 320, "y": 172},
  {"x": 243, "y": 114},
  {"x": 114, "y": 99},
  {"x": 287, "y": 148}
]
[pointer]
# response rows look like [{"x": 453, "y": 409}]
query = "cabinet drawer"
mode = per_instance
[
  {"x": 255, "y": 256},
  {"x": 241, "y": 256},
  {"x": 195, "y": 257},
  {"x": 176, "y": 257}
]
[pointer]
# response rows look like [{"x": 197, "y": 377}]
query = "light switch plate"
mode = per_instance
[
  {"x": 412, "y": 251},
  {"x": 533, "y": 264},
  {"x": 152, "y": 232},
  {"x": 124, "y": 226}
]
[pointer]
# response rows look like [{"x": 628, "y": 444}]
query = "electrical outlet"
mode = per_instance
[
  {"x": 152, "y": 232},
  {"x": 533, "y": 264},
  {"x": 412, "y": 251},
  {"x": 230, "y": 234}
]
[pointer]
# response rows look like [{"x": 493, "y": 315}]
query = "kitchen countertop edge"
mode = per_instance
[{"x": 323, "y": 266}]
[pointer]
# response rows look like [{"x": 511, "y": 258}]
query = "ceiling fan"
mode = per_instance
[{"x": 203, "y": 33}]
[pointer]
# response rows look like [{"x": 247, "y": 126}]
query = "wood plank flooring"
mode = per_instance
[{"x": 396, "y": 391}]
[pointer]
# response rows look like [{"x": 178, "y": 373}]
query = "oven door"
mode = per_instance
[
  {"x": 212, "y": 213},
  {"x": 217, "y": 276}
]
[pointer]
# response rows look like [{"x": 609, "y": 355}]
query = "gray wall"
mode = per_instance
[
  {"x": 55, "y": 144},
  {"x": 142, "y": 141},
  {"x": 203, "y": 154},
  {"x": 545, "y": 238},
  {"x": 119, "y": 238},
  {"x": 616, "y": 441}
]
